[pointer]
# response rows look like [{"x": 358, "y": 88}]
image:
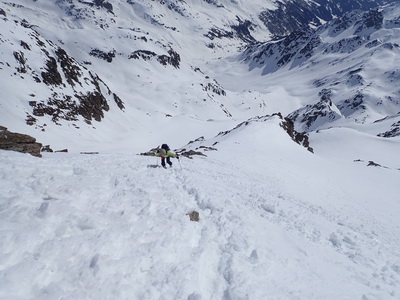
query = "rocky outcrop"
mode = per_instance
[
  {"x": 242, "y": 31},
  {"x": 172, "y": 59},
  {"x": 19, "y": 142},
  {"x": 70, "y": 92},
  {"x": 392, "y": 132},
  {"x": 300, "y": 138},
  {"x": 312, "y": 117},
  {"x": 107, "y": 56}
]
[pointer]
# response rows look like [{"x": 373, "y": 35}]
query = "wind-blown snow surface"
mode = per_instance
[{"x": 276, "y": 222}]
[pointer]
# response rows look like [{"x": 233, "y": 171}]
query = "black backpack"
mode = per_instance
[{"x": 165, "y": 147}]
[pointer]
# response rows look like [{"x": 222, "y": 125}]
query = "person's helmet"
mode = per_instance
[{"x": 165, "y": 147}]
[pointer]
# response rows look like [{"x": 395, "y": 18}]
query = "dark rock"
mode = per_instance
[
  {"x": 69, "y": 67},
  {"x": 240, "y": 31},
  {"x": 374, "y": 164},
  {"x": 172, "y": 59},
  {"x": 296, "y": 48},
  {"x": 394, "y": 131},
  {"x": 92, "y": 106},
  {"x": 299, "y": 137},
  {"x": 144, "y": 54},
  {"x": 372, "y": 19},
  {"x": 25, "y": 45},
  {"x": 20, "y": 58},
  {"x": 310, "y": 117},
  {"x": 218, "y": 33},
  {"x": 46, "y": 149},
  {"x": 107, "y": 56},
  {"x": 102, "y": 3},
  {"x": 19, "y": 142},
  {"x": 214, "y": 2},
  {"x": 190, "y": 153},
  {"x": 215, "y": 88},
  {"x": 119, "y": 102},
  {"x": 349, "y": 106},
  {"x": 194, "y": 216},
  {"x": 51, "y": 76},
  {"x": 243, "y": 30},
  {"x": 30, "y": 120}
]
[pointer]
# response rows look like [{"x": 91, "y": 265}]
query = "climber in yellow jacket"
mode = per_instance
[{"x": 165, "y": 153}]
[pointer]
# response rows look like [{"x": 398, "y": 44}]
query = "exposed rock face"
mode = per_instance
[
  {"x": 242, "y": 31},
  {"x": 392, "y": 132},
  {"x": 293, "y": 15},
  {"x": 312, "y": 117},
  {"x": 70, "y": 91},
  {"x": 300, "y": 138},
  {"x": 173, "y": 59},
  {"x": 109, "y": 56},
  {"x": 19, "y": 142}
]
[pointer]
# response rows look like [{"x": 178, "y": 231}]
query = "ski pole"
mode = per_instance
[{"x": 180, "y": 163}]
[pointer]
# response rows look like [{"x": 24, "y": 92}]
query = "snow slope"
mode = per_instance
[{"x": 276, "y": 222}]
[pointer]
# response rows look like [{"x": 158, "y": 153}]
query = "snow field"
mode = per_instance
[{"x": 114, "y": 226}]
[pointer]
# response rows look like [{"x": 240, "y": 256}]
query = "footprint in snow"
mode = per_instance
[{"x": 253, "y": 259}]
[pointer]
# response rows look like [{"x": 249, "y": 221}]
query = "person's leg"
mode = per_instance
[
  {"x": 169, "y": 161},
  {"x": 163, "y": 161}
]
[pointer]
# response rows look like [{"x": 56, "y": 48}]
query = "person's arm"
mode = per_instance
[{"x": 172, "y": 154}]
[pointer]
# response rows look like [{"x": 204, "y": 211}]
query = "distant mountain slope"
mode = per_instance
[
  {"x": 131, "y": 55},
  {"x": 352, "y": 65},
  {"x": 292, "y": 15},
  {"x": 46, "y": 82}
]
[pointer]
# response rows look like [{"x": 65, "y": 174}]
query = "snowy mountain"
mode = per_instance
[
  {"x": 146, "y": 56},
  {"x": 70, "y": 89},
  {"x": 285, "y": 116},
  {"x": 295, "y": 15},
  {"x": 138, "y": 62},
  {"x": 345, "y": 63}
]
